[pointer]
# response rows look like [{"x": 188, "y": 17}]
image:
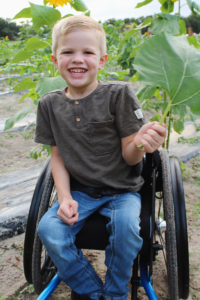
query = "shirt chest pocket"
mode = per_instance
[{"x": 104, "y": 137}]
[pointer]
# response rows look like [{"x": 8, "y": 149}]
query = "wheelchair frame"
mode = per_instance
[{"x": 162, "y": 175}]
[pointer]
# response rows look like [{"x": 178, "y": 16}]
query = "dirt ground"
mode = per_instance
[{"x": 14, "y": 155}]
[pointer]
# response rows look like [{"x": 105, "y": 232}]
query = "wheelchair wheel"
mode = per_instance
[
  {"x": 32, "y": 219},
  {"x": 166, "y": 228},
  {"x": 181, "y": 228},
  {"x": 43, "y": 268}
]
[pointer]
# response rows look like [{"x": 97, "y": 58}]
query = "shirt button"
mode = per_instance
[
  {"x": 76, "y": 102},
  {"x": 78, "y": 119}
]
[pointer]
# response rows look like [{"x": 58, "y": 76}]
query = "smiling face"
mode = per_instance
[{"x": 78, "y": 60}]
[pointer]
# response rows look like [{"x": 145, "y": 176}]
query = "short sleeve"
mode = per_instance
[
  {"x": 129, "y": 115},
  {"x": 43, "y": 133}
]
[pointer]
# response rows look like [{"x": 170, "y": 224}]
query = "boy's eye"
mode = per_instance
[
  {"x": 88, "y": 52},
  {"x": 67, "y": 52}
]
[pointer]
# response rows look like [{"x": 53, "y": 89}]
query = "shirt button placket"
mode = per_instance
[{"x": 77, "y": 109}]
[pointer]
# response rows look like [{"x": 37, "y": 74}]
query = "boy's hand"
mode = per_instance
[
  {"x": 68, "y": 211},
  {"x": 151, "y": 136}
]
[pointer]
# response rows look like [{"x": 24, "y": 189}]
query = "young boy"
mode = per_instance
[{"x": 93, "y": 129}]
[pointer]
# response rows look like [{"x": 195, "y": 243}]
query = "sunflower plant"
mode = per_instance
[{"x": 168, "y": 65}]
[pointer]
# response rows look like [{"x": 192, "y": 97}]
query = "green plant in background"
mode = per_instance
[
  {"x": 190, "y": 141},
  {"x": 168, "y": 65}
]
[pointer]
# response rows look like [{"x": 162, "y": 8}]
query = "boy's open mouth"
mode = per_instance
[{"x": 77, "y": 71}]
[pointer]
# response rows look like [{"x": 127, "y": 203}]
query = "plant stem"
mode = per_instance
[
  {"x": 166, "y": 112},
  {"x": 169, "y": 6},
  {"x": 162, "y": 119},
  {"x": 179, "y": 7},
  {"x": 169, "y": 129}
]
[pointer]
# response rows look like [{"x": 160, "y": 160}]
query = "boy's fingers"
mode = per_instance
[
  {"x": 147, "y": 147},
  {"x": 160, "y": 129},
  {"x": 69, "y": 221},
  {"x": 74, "y": 207}
]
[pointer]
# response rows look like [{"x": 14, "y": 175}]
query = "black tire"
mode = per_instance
[
  {"x": 168, "y": 236},
  {"x": 32, "y": 219},
  {"x": 181, "y": 228},
  {"x": 43, "y": 268}
]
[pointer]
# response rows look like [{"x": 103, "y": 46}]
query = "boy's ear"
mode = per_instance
[
  {"x": 103, "y": 60},
  {"x": 54, "y": 60}
]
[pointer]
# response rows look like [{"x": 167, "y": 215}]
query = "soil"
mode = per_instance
[
  {"x": 14, "y": 155},
  {"x": 15, "y": 147}
]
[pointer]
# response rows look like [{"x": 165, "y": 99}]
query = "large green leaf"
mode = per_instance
[
  {"x": 49, "y": 84},
  {"x": 21, "y": 56},
  {"x": 165, "y": 6},
  {"x": 195, "y": 8},
  {"x": 179, "y": 109},
  {"x": 24, "y": 13},
  {"x": 143, "y": 3},
  {"x": 44, "y": 15},
  {"x": 159, "y": 25},
  {"x": 78, "y": 5},
  {"x": 168, "y": 17},
  {"x": 140, "y": 26},
  {"x": 178, "y": 126},
  {"x": 172, "y": 64},
  {"x": 34, "y": 43},
  {"x": 17, "y": 117},
  {"x": 183, "y": 29},
  {"x": 145, "y": 92},
  {"x": 193, "y": 41},
  {"x": 26, "y": 83}
]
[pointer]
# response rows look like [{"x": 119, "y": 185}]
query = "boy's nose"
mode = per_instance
[{"x": 77, "y": 58}]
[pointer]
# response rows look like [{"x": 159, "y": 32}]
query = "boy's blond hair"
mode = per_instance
[{"x": 74, "y": 23}]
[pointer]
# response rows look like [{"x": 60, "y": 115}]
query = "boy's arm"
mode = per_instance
[
  {"x": 68, "y": 210},
  {"x": 151, "y": 136}
]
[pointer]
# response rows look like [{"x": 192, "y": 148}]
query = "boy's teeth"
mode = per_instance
[{"x": 77, "y": 71}]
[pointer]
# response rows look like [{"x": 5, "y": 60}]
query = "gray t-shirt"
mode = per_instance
[{"x": 88, "y": 133}]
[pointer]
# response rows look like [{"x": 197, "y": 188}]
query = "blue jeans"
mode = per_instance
[{"x": 122, "y": 212}]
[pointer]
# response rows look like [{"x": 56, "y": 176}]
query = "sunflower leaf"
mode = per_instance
[{"x": 172, "y": 64}]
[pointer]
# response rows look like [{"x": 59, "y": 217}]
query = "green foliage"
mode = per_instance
[
  {"x": 35, "y": 43},
  {"x": 48, "y": 84},
  {"x": 165, "y": 23},
  {"x": 78, "y": 5},
  {"x": 145, "y": 92},
  {"x": 26, "y": 83},
  {"x": 9, "y": 29},
  {"x": 190, "y": 141},
  {"x": 167, "y": 6},
  {"x": 17, "y": 117},
  {"x": 183, "y": 29},
  {"x": 195, "y": 8},
  {"x": 178, "y": 126},
  {"x": 164, "y": 61},
  {"x": 140, "y": 4},
  {"x": 21, "y": 56},
  {"x": 44, "y": 15},
  {"x": 24, "y": 13},
  {"x": 37, "y": 151},
  {"x": 193, "y": 41}
]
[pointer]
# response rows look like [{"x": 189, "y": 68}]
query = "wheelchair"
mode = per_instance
[{"x": 163, "y": 228}]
